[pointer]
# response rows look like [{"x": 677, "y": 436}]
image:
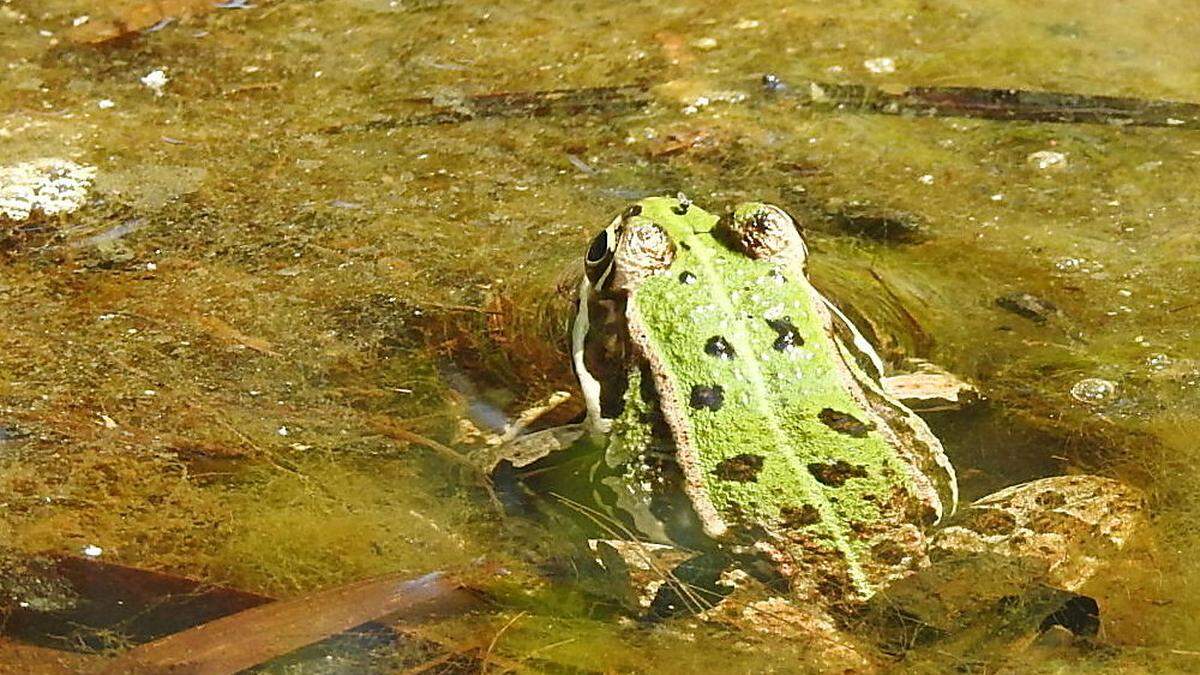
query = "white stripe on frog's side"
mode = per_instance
[
  {"x": 860, "y": 342},
  {"x": 588, "y": 384},
  {"x": 866, "y": 349},
  {"x": 596, "y": 423}
]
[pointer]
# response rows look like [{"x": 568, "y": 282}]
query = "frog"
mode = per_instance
[{"x": 735, "y": 412}]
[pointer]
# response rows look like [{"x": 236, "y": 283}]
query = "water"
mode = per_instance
[{"x": 303, "y": 231}]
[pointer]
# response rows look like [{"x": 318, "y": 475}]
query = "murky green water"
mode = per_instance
[{"x": 212, "y": 388}]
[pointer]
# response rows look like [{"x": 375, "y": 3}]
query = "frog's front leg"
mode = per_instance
[
  {"x": 520, "y": 447},
  {"x": 526, "y": 449},
  {"x": 1018, "y": 559}
]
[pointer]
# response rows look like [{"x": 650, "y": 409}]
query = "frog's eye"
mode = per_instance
[
  {"x": 644, "y": 250},
  {"x": 764, "y": 231},
  {"x": 600, "y": 254},
  {"x": 599, "y": 250}
]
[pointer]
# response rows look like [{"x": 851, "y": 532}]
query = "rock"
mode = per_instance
[
  {"x": 1028, "y": 306},
  {"x": 48, "y": 186}
]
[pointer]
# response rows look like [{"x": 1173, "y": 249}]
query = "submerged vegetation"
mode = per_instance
[{"x": 218, "y": 364}]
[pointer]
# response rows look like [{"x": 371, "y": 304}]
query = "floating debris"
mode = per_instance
[
  {"x": 930, "y": 388},
  {"x": 156, "y": 80},
  {"x": 1093, "y": 390},
  {"x": 1010, "y": 105},
  {"x": 137, "y": 18},
  {"x": 566, "y": 103},
  {"x": 1081, "y": 265},
  {"x": 1028, "y": 306},
  {"x": 48, "y": 186},
  {"x": 880, "y": 66},
  {"x": 1047, "y": 160},
  {"x": 878, "y": 223},
  {"x": 1158, "y": 362}
]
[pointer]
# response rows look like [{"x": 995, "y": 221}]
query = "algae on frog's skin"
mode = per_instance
[
  {"x": 770, "y": 398},
  {"x": 343, "y": 250}
]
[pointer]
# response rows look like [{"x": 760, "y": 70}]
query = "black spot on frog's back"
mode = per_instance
[
  {"x": 718, "y": 347},
  {"x": 844, "y": 423},
  {"x": 741, "y": 468},
  {"x": 787, "y": 336},
  {"x": 710, "y": 397},
  {"x": 835, "y": 474}
]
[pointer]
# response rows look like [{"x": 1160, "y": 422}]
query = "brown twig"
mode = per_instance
[
  {"x": 391, "y": 429},
  {"x": 612, "y": 100},
  {"x": 257, "y": 635},
  {"x": 1008, "y": 105}
]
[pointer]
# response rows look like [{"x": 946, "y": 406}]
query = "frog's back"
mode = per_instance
[{"x": 778, "y": 430}]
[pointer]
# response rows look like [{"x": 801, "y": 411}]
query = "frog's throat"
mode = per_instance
[{"x": 686, "y": 450}]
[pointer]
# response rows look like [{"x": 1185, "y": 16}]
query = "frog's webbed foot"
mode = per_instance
[
  {"x": 526, "y": 449},
  {"x": 1017, "y": 559},
  {"x": 716, "y": 587},
  {"x": 656, "y": 581},
  {"x": 926, "y": 387},
  {"x": 521, "y": 447}
]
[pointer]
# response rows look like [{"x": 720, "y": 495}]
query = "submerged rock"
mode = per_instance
[{"x": 48, "y": 186}]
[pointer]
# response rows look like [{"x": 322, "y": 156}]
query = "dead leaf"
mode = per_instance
[
  {"x": 223, "y": 331},
  {"x": 126, "y": 18}
]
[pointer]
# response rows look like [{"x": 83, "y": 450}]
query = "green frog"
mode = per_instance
[{"x": 740, "y": 414}]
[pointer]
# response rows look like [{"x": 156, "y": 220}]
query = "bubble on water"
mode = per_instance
[
  {"x": 881, "y": 65},
  {"x": 1074, "y": 264},
  {"x": 1158, "y": 361},
  {"x": 1093, "y": 390}
]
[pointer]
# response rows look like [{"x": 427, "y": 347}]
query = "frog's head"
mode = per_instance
[{"x": 642, "y": 241}]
